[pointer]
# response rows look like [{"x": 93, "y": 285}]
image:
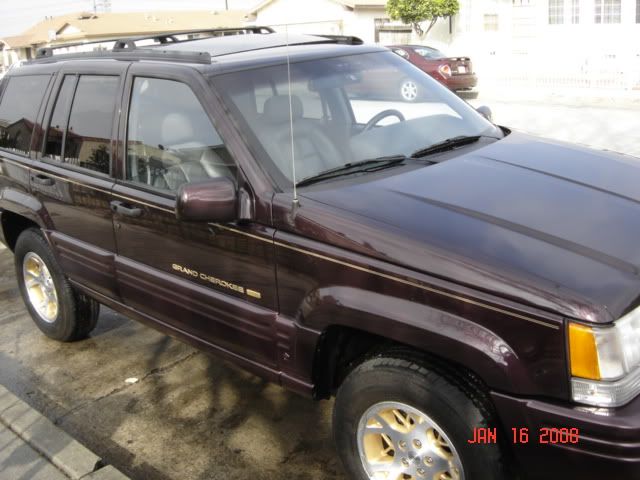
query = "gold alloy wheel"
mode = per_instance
[
  {"x": 399, "y": 442},
  {"x": 40, "y": 288}
]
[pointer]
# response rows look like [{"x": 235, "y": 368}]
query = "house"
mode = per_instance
[
  {"x": 77, "y": 28},
  {"x": 366, "y": 19}
]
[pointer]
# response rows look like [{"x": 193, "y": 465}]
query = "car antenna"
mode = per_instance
[{"x": 296, "y": 202}]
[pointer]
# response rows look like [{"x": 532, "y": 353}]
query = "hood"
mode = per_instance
[{"x": 547, "y": 223}]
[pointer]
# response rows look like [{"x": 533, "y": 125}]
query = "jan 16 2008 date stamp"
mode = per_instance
[{"x": 523, "y": 435}]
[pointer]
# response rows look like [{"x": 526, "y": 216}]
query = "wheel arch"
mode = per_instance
[
  {"x": 355, "y": 324},
  {"x": 19, "y": 211}
]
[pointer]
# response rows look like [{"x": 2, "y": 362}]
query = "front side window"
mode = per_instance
[
  {"x": 88, "y": 136},
  {"x": 607, "y": 11},
  {"x": 170, "y": 139},
  {"x": 18, "y": 110},
  {"x": 366, "y": 115}
]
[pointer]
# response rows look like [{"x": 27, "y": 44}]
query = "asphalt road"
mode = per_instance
[{"x": 192, "y": 417}]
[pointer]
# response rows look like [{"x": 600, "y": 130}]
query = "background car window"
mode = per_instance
[
  {"x": 429, "y": 52},
  {"x": 18, "y": 110},
  {"x": 58, "y": 123},
  {"x": 88, "y": 141},
  {"x": 400, "y": 52},
  {"x": 171, "y": 140}
]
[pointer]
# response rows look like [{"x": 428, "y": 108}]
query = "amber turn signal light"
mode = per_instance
[{"x": 583, "y": 352}]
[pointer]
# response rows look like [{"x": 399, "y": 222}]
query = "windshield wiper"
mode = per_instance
[
  {"x": 371, "y": 165},
  {"x": 448, "y": 144}
]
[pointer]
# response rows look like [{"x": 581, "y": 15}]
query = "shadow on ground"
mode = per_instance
[{"x": 188, "y": 416}]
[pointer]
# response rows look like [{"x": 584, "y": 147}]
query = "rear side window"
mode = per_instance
[
  {"x": 88, "y": 136},
  {"x": 58, "y": 124},
  {"x": 20, "y": 102}
]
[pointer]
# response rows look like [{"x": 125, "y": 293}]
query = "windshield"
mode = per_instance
[{"x": 344, "y": 110}]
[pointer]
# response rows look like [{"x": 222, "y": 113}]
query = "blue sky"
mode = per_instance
[{"x": 18, "y": 15}]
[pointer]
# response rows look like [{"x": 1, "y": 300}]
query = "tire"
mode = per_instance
[
  {"x": 58, "y": 310},
  {"x": 409, "y": 90},
  {"x": 411, "y": 399}
]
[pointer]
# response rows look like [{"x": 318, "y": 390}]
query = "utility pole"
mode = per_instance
[{"x": 226, "y": 4}]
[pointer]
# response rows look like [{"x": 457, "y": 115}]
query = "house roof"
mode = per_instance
[
  {"x": 347, "y": 3},
  {"x": 77, "y": 27}
]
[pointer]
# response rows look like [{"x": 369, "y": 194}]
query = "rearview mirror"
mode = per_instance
[
  {"x": 485, "y": 112},
  {"x": 214, "y": 200}
]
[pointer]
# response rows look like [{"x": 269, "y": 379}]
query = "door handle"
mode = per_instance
[
  {"x": 43, "y": 180},
  {"x": 123, "y": 208}
]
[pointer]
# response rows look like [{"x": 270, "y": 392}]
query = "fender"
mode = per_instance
[
  {"x": 26, "y": 205},
  {"x": 446, "y": 335}
]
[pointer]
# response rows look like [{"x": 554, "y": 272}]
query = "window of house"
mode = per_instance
[
  {"x": 607, "y": 11},
  {"x": 556, "y": 12},
  {"x": 20, "y": 103},
  {"x": 170, "y": 139},
  {"x": 58, "y": 123},
  {"x": 575, "y": 11},
  {"x": 88, "y": 136},
  {"x": 490, "y": 22}
]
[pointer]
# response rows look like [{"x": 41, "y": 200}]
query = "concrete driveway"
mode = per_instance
[{"x": 188, "y": 416}]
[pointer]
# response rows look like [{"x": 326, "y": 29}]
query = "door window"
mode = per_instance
[
  {"x": 18, "y": 110},
  {"x": 88, "y": 137},
  {"x": 170, "y": 139},
  {"x": 58, "y": 123}
]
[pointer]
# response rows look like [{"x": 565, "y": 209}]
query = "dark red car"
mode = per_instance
[{"x": 456, "y": 73}]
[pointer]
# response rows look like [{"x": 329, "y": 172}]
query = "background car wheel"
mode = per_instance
[
  {"x": 57, "y": 309},
  {"x": 409, "y": 90},
  {"x": 395, "y": 418}
]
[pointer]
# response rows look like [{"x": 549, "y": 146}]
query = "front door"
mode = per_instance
[{"x": 214, "y": 283}]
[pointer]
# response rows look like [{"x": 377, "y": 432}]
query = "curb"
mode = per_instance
[{"x": 68, "y": 455}]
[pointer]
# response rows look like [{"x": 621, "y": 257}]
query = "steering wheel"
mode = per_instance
[{"x": 383, "y": 114}]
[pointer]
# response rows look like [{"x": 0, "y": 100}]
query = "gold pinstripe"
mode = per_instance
[{"x": 314, "y": 254}]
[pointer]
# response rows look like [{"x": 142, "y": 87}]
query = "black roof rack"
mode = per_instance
[
  {"x": 126, "y": 48},
  {"x": 342, "y": 39},
  {"x": 130, "y": 54}
]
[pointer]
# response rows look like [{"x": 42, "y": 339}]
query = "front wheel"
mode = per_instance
[
  {"x": 55, "y": 306},
  {"x": 396, "y": 419}
]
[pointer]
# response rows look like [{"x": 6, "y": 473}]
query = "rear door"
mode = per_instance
[
  {"x": 215, "y": 283},
  {"x": 72, "y": 175}
]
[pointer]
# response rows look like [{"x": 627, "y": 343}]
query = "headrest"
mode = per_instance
[
  {"x": 176, "y": 128},
  {"x": 276, "y": 109}
]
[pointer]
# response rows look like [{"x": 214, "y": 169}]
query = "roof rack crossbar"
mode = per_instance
[{"x": 130, "y": 54}]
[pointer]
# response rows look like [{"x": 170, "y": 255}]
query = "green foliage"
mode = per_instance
[{"x": 414, "y": 12}]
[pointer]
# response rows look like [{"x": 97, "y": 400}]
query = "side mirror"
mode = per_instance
[
  {"x": 214, "y": 200},
  {"x": 485, "y": 112}
]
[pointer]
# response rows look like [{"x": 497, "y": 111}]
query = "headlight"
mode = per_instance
[{"x": 605, "y": 362}]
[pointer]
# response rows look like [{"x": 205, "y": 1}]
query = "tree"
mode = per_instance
[{"x": 414, "y": 12}]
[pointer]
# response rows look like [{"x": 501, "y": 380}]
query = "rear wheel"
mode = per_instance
[
  {"x": 58, "y": 310},
  {"x": 395, "y": 419}
]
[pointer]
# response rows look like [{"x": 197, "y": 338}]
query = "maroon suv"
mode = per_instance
[
  {"x": 470, "y": 295},
  {"x": 456, "y": 73}
]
